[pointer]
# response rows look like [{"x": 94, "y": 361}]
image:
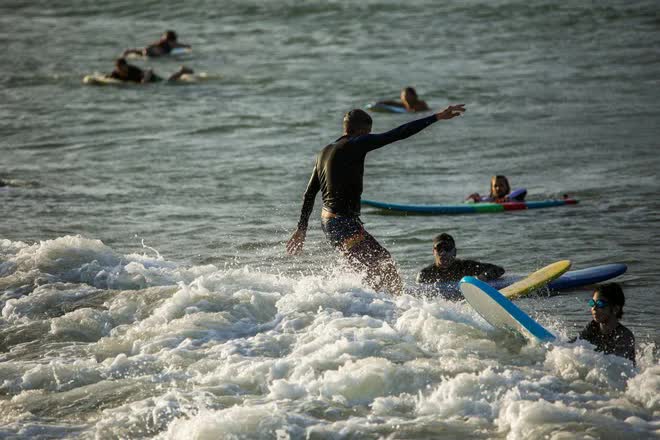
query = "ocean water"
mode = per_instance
[{"x": 144, "y": 287}]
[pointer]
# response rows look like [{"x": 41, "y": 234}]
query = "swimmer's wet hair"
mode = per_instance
[
  {"x": 613, "y": 293},
  {"x": 357, "y": 120},
  {"x": 411, "y": 91}
]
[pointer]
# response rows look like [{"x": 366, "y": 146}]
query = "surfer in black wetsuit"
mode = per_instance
[
  {"x": 605, "y": 331},
  {"x": 448, "y": 268},
  {"x": 130, "y": 73},
  {"x": 338, "y": 174},
  {"x": 164, "y": 46}
]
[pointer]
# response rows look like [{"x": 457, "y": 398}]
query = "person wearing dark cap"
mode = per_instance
[
  {"x": 164, "y": 46},
  {"x": 605, "y": 331},
  {"x": 130, "y": 73},
  {"x": 447, "y": 267},
  {"x": 338, "y": 174}
]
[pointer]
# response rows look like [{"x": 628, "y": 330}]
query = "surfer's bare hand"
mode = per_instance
[
  {"x": 451, "y": 112},
  {"x": 295, "y": 244}
]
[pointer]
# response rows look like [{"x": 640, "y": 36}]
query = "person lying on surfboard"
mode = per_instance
[
  {"x": 164, "y": 46},
  {"x": 500, "y": 192},
  {"x": 409, "y": 100},
  {"x": 449, "y": 268},
  {"x": 130, "y": 73},
  {"x": 605, "y": 331},
  {"x": 338, "y": 174}
]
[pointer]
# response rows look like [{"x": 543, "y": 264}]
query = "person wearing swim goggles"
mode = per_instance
[
  {"x": 447, "y": 267},
  {"x": 605, "y": 331}
]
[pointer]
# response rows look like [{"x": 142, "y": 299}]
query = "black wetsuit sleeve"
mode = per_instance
[
  {"x": 370, "y": 142},
  {"x": 484, "y": 271},
  {"x": 624, "y": 345},
  {"x": 587, "y": 332},
  {"x": 313, "y": 188},
  {"x": 490, "y": 271},
  {"x": 426, "y": 275}
]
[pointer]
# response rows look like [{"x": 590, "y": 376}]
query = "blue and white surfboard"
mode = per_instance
[{"x": 499, "y": 312}]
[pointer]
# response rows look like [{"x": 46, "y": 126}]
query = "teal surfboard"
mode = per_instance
[{"x": 467, "y": 208}]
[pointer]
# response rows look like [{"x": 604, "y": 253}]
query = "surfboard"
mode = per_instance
[
  {"x": 537, "y": 279},
  {"x": 516, "y": 195},
  {"x": 569, "y": 280},
  {"x": 587, "y": 276},
  {"x": 499, "y": 312},
  {"x": 385, "y": 108},
  {"x": 100, "y": 79},
  {"x": 466, "y": 208}
]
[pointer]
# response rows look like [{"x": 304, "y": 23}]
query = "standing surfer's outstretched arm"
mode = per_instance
[
  {"x": 295, "y": 243},
  {"x": 375, "y": 141}
]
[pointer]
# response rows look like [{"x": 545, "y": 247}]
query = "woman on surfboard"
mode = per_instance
[{"x": 500, "y": 192}]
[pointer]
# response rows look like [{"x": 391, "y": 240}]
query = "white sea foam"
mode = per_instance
[{"x": 203, "y": 352}]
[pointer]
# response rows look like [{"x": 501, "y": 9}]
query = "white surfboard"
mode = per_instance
[
  {"x": 100, "y": 79},
  {"x": 499, "y": 312}
]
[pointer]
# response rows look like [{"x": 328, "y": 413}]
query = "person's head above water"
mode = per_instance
[
  {"x": 169, "y": 36},
  {"x": 409, "y": 95},
  {"x": 607, "y": 303},
  {"x": 357, "y": 122},
  {"x": 120, "y": 64},
  {"x": 499, "y": 187},
  {"x": 444, "y": 250}
]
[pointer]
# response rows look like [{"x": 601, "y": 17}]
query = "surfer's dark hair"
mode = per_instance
[
  {"x": 121, "y": 61},
  {"x": 411, "y": 91},
  {"x": 613, "y": 293},
  {"x": 171, "y": 35},
  {"x": 357, "y": 120}
]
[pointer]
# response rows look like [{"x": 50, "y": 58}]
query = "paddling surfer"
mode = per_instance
[
  {"x": 338, "y": 174},
  {"x": 409, "y": 100},
  {"x": 130, "y": 73},
  {"x": 447, "y": 267},
  {"x": 164, "y": 46},
  {"x": 500, "y": 192}
]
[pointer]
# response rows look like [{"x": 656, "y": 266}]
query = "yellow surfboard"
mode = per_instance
[{"x": 536, "y": 280}]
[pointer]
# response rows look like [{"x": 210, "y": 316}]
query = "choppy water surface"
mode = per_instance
[{"x": 143, "y": 283}]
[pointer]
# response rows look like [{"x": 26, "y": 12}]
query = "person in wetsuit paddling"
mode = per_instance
[
  {"x": 164, "y": 46},
  {"x": 338, "y": 174},
  {"x": 409, "y": 100},
  {"x": 447, "y": 267},
  {"x": 130, "y": 73}
]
